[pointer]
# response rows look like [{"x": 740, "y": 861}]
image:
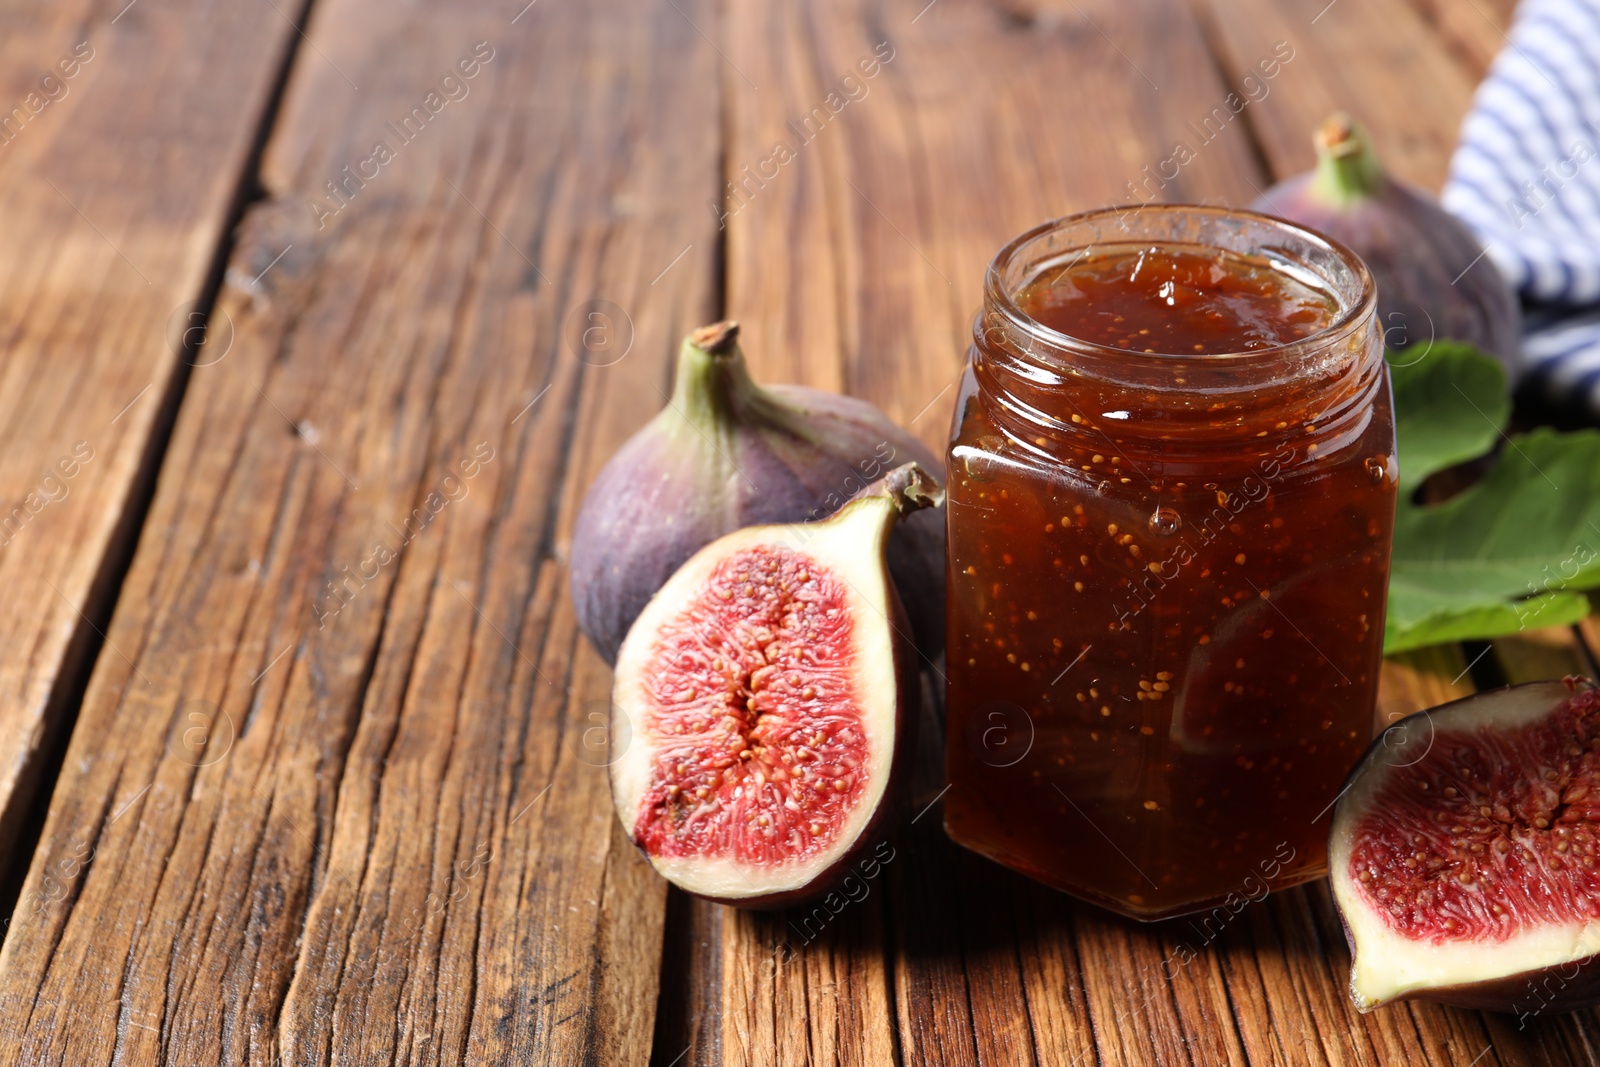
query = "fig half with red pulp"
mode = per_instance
[
  {"x": 1465, "y": 857},
  {"x": 764, "y": 691}
]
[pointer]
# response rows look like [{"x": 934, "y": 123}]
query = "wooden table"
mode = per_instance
[{"x": 298, "y": 758}]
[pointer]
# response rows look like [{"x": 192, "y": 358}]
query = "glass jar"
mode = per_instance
[{"x": 1167, "y": 579}]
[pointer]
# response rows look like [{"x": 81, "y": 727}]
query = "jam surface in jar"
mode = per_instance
[
  {"x": 1177, "y": 301},
  {"x": 1166, "y": 585}
]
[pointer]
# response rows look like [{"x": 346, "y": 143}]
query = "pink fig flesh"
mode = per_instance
[
  {"x": 766, "y": 692},
  {"x": 1464, "y": 854}
]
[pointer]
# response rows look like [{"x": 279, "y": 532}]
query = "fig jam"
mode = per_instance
[
  {"x": 1171, "y": 495},
  {"x": 1176, "y": 301}
]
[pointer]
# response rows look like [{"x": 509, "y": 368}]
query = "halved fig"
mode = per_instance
[
  {"x": 1464, "y": 854},
  {"x": 765, "y": 691}
]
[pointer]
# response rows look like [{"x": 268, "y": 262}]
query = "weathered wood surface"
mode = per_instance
[
  {"x": 324, "y": 804},
  {"x": 342, "y": 807},
  {"x": 125, "y": 141}
]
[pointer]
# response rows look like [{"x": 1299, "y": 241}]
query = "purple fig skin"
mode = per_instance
[
  {"x": 724, "y": 454},
  {"x": 1434, "y": 282}
]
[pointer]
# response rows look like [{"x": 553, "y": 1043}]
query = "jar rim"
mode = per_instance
[{"x": 998, "y": 297}]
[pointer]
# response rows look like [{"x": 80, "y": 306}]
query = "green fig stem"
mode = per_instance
[
  {"x": 1347, "y": 170},
  {"x": 713, "y": 382}
]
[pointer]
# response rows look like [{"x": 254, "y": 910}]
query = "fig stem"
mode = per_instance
[
  {"x": 718, "y": 337},
  {"x": 1347, "y": 169},
  {"x": 713, "y": 382},
  {"x": 909, "y": 488},
  {"x": 905, "y": 489}
]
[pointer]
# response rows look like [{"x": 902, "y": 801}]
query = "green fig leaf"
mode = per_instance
[
  {"x": 1514, "y": 551},
  {"x": 1450, "y": 402},
  {"x": 1433, "y": 619}
]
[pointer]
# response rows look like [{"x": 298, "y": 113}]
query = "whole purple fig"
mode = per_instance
[
  {"x": 1434, "y": 282},
  {"x": 726, "y": 453}
]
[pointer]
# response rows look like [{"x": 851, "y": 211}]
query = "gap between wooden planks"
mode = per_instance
[{"x": 395, "y": 843}]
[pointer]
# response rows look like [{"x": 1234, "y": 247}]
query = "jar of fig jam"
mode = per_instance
[{"x": 1171, "y": 498}]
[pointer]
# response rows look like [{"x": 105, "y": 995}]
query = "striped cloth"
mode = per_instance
[{"x": 1526, "y": 178}]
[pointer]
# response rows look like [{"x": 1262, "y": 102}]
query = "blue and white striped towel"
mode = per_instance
[{"x": 1526, "y": 178}]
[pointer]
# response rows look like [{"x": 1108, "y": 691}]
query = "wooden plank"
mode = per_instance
[
  {"x": 1378, "y": 60},
  {"x": 124, "y": 140},
  {"x": 1535, "y": 655},
  {"x": 1422, "y": 679},
  {"x": 860, "y": 264},
  {"x": 857, "y": 265},
  {"x": 1588, "y": 636},
  {"x": 1474, "y": 30},
  {"x": 356, "y": 809}
]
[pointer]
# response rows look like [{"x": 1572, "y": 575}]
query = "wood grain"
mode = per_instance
[
  {"x": 1534, "y": 655},
  {"x": 343, "y": 807},
  {"x": 859, "y": 266},
  {"x": 1473, "y": 30},
  {"x": 1376, "y": 59},
  {"x": 1425, "y": 678},
  {"x": 112, "y": 229},
  {"x": 1587, "y": 634}
]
